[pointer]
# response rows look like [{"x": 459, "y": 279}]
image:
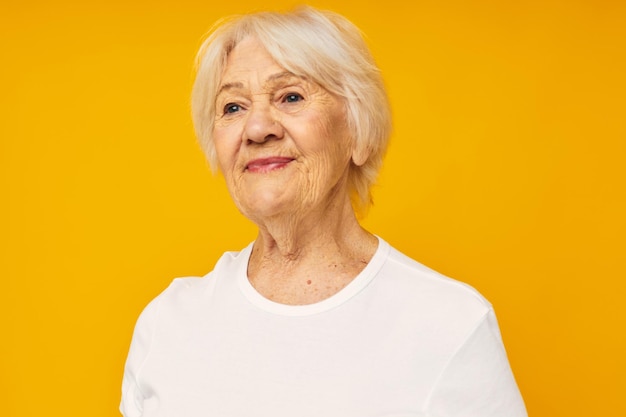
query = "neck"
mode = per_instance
[
  {"x": 291, "y": 237},
  {"x": 293, "y": 257}
]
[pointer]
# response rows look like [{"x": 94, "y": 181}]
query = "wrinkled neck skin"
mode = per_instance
[{"x": 305, "y": 256}]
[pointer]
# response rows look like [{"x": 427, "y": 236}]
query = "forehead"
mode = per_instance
[
  {"x": 249, "y": 66},
  {"x": 249, "y": 58}
]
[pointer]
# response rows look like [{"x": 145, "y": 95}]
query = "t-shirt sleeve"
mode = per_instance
[
  {"x": 478, "y": 381},
  {"x": 132, "y": 397}
]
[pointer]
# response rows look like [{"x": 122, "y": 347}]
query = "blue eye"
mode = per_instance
[
  {"x": 232, "y": 108},
  {"x": 293, "y": 98}
]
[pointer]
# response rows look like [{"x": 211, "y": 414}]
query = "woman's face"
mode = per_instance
[{"x": 282, "y": 142}]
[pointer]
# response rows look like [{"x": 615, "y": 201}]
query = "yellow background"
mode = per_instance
[{"x": 505, "y": 171}]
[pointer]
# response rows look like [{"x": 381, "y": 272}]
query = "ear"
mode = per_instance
[{"x": 360, "y": 154}]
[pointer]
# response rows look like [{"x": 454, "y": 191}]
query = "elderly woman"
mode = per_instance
[{"x": 316, "y": 317}]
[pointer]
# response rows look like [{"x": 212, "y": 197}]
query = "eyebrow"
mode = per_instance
[{"x": 270, "y": 79}]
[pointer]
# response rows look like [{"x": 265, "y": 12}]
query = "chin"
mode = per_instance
[{"x": 269, "y": 203}]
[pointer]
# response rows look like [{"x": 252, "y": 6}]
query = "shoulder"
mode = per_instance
[
  {"x": 425, "y": 292},
  {"x": 435, "y": 282},
  {"x": 185, "y": 294},
  {"x": 163, "y": 319}
]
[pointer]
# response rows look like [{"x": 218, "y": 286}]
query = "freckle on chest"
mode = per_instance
[{"x": 308, "y": 282}]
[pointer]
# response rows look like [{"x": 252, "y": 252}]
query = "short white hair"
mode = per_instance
[{"x": 319, "y": 45}]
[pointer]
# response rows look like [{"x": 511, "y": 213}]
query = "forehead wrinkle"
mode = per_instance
[
  {"x": 272, "y": 79},
  {"x": 280, "y": 76},
  {"x": 229, "y": 86}
]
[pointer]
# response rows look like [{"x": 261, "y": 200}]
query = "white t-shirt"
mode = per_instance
[{"x": 400, "y": 340}]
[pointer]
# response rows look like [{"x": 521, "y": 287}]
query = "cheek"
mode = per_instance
[
  {"x": 226, "y": 147},
  {"x": 335, "y": 141},
  {"x": 330, "y": 147}
]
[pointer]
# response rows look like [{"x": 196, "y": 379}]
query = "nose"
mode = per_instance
[{"x": 262, "y": 124}]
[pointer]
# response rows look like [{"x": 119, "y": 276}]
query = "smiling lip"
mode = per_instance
[{"x": 264, "y": 165}]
